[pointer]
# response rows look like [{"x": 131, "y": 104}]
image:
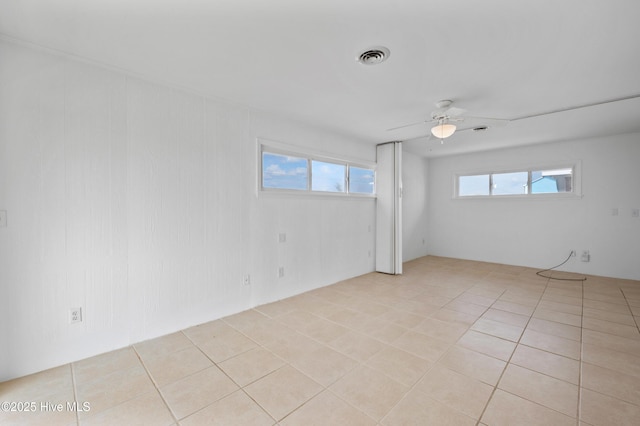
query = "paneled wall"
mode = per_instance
[{"x": 138, "y": 202}]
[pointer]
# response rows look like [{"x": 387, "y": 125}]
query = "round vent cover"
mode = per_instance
[{"x": 374, "y": 56}]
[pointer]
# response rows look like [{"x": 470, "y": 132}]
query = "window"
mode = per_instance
[
  {"x": 473, "y": 185},
  {"x": 361, "y": 181},
  {"x": 534, "y": 181},
  {"x": 509, "y": 183},
  {"x": 328, "y": 177},
  {"x": 551, "y": 181},
  {"x": 283, "y": 170}
]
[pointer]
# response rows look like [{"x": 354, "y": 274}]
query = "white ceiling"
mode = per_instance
[{"x": 494, "y": 58}]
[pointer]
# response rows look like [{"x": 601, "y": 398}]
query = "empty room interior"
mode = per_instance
[{"x": 319, "y": 212}]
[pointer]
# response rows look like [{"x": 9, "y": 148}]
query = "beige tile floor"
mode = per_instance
[{"x": 450, "y": 342}]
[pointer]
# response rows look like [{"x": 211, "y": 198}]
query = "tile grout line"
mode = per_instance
[
  {"x": 412, "y": 387},
  {"x": 358, "y": 363},
  {"x": 363, "y": 363},
  {"x": 240, "y": 388},
  {"x": 630, "y": 310},
  {"x": 579, "y": 408},
  {"x": 155, "y": 385},
  {"x": 469, "y": 328},
  {"x": 75, "y": 391},
  {"x": 286, "y": 363},
  {"x": 508, "y": 362},
  {"x": 324, "y": 388}
]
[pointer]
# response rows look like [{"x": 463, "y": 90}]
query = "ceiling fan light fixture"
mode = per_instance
[{"x": 442, "y": 130}]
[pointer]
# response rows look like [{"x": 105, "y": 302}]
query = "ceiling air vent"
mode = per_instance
[{"x": 374, "y": 56}]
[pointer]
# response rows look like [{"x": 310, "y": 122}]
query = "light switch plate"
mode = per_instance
[{"x": 3, "y": 218}]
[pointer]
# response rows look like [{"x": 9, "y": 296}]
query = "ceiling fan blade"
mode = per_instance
[
  {"x": 426, "y": 138},
  {"x": 487, "y": 121},
  {"x": 571, "y": 108},
  {"x": 409, "y": 125},
  {"x": 464, "y": 129},
  {"x": 406, "y": 125}
]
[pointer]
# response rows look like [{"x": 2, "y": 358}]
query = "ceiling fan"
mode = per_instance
[{"x": 445, "y": 117}]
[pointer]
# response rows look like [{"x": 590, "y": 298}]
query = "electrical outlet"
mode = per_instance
[
  {"x": 282, "y": 237},
  {"x": 75, "y": 315},
  {"x": 586, "y": 257},
  {"x": 246, "y": 280},
  {"x": 3, "y": 218},
  {"x": 281, "y": 272}
]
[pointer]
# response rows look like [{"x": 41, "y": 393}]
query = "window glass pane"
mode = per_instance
[
  {"x": 361, "y": 181},
  {"x": 473, "y": 185},
  {"x": 284, "y": 172},
  {"x": 551, "y": 181},
  {"x": 328, "y": 177},
  {"x": 509, "y": 183}
]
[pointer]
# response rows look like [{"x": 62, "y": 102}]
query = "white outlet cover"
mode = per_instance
[{"x": 75, "y": 315}]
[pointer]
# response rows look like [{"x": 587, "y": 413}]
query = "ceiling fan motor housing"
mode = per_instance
[{"x": 444, "y": 104}]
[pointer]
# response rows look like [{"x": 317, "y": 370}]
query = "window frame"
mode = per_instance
[
  {"x": 576, "y": 186},
  {"x": 279, "y": 148}
]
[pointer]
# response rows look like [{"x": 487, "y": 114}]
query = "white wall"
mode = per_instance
[
  {"x": 542, "y": 232},
  {"x": 414, "y": 206},
  {"x": 138, "y": 203}
]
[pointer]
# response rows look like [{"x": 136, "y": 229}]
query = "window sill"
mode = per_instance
[
  {"x": 312, "y": 194},
  {"x": 559, "y": 196}
]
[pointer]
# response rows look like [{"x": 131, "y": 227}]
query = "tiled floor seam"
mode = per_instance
[
  {"x": 75, "y": 390},
  {"x": 324, "y": 388},
  {"x": 363, "y": 364},
  {"x": 285, "y": 360},
  {"x": 155, "y": 385},
  {"x": 412, "y": 387},
  {"x": 240, "y": 388},
  {"x": 581, "y": 358},
  {"x": 298, "y": 407},
  {"x": 286, "y": 363},
  {"x": 495, "y": 387},
  {"x": 635, "y": 320}
]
